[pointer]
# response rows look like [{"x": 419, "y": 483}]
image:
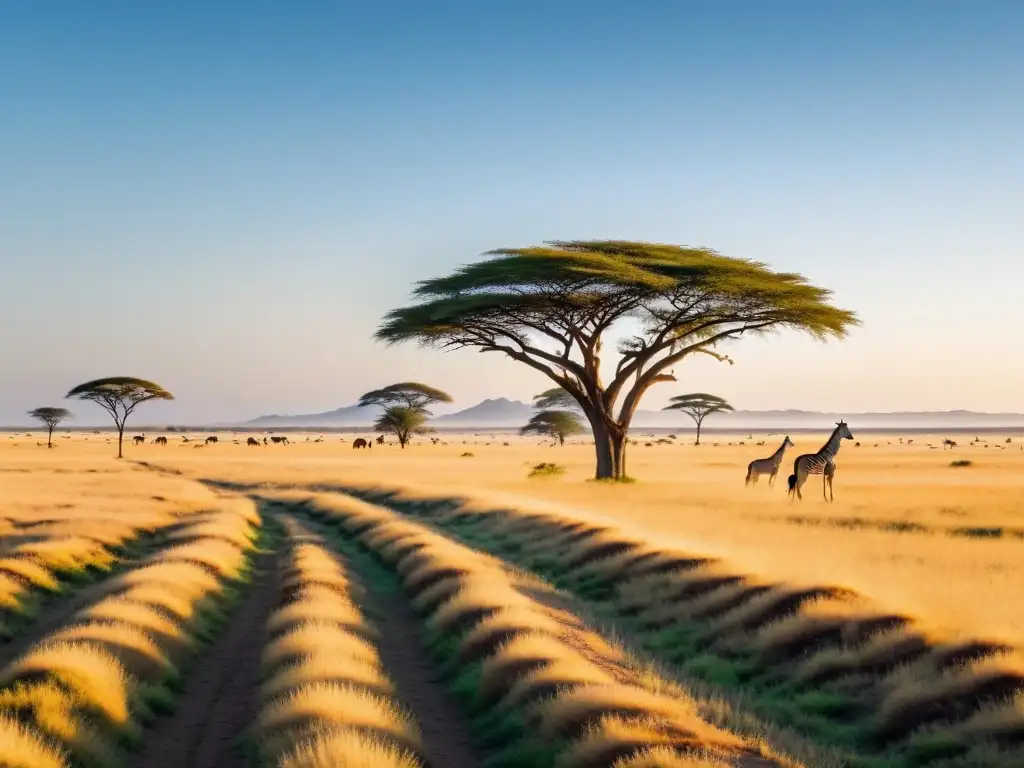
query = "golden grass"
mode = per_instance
[
  {"x": 693, "y": 500},
  {"x": 544, "y": 663},
  {"x": 21, "y": 748},
  {"x": 326, "y": 700},
  {"x": 94, "y": 676},
  {"x": 356, "y": 748},
  {"x": 132, "y": 647},
  {"x": 816, "y": 632},
  {"x": 54, "y": 713},
  {"x": 131, "y": 635}
]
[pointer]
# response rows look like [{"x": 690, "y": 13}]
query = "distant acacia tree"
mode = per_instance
[
  {"x": 698, "y": 406},
  {"x": 405, "y": 408},
  {"x": 550, "y": 307},
  {"x": 119, "y": 396},
  {"x": 557, "y": 425},
  {"x": 403, "y": 422},
  {"x": 50, "y": 418}
]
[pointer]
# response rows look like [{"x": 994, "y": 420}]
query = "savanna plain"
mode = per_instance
[{"x": 482, "y": 602}]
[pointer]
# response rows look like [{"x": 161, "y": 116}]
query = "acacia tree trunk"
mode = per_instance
[
  {"x": 698, "y": 433},
  {"x": 120, "y": 440},
  {"x": 49, "y": 438},
  {"x": 610, "y": 447}
]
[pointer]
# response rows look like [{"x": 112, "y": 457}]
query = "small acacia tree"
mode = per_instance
[
  {"x": 50, "y": 418},
  {"x": 557, "y": 425},
  {"x": 119, "y": 396},
  {"x": 550, "y": 307},
  {"x": 405, "y": 408},
  {"x": 403, "y": 422},
  {"x": 698, "y": 406}
]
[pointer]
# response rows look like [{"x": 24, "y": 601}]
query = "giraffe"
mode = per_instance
[{"x": 769, "y": 466}]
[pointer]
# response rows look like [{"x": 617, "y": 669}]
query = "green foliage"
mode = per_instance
[
  {"x": 50, "y": 417},
  {"x": 698, "y": 406},
  {"x": 557, "y": 425},
  {"x": 411, "y": 394},
  {"x": 403, "y": 422},
  {"x": 555, "y": 398},
  {"x": 547, "y": 469}
]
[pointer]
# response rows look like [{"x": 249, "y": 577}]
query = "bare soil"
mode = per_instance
[
  {"x": 219, "y": 702},
  {"x": 446, "y": 741}
]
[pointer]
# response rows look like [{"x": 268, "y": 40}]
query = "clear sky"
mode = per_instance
[{"x": 226, "y": 197}]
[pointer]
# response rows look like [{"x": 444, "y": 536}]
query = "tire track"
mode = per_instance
[{"x": 219, "y": 701}]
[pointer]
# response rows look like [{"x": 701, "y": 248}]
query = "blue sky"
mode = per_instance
[{"x": 226, "y": 200}]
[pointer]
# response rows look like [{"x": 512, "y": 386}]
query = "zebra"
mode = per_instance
[
  {"x": 139, "y": 439},
  {"x": 820, "y": 463},
  {"x": 769, "y": 466}
]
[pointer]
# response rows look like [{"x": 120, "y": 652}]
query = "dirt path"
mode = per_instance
[
  {"x": 219, "y": 701},
  {"x": 446, "y": 741}
]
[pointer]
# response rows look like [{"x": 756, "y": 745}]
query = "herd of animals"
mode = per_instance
[{"x": 821, "y": 462}]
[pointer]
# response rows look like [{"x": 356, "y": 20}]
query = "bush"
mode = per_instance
[
  {"x": 960, "y": 463},
  {"x": 547, "y": 469}
]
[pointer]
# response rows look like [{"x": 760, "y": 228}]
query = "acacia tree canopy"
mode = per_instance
[
  {"x": 550, "y": 307},
  {"x": 557, "y": 425},
  {"x": 698, "y": 406},
  {"x": 554, "y": 399},
  {"x": 403, "y": 422},
  {"x": 119, "y": 396},
  {"x": 50, "y": 418},
  {"x": 411, "y": 394}
]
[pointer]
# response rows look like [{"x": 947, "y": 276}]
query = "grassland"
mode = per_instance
[{"x": 479, "y": 613}]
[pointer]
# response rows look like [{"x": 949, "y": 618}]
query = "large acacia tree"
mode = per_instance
[
  {"x": 119, "y": 396},
  {"x": 551, "y": 307}
]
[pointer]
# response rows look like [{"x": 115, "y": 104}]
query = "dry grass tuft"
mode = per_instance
[
  {"x": 358, "y": 749},
  {"x": 21, "y": 748}
]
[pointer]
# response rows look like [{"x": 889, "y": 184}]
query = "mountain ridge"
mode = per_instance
[{"x": 502, "y": 411}]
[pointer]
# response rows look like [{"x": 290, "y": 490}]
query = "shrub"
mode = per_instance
[{"x": 547, "y": 469}]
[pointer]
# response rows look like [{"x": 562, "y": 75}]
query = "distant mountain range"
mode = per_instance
[{"x": 502, "y": 412}]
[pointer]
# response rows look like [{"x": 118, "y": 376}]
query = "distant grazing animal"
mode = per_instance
[
  {"x": 139, "y": 439},
  {"x": 279, "y": 440},
  {"x": 821, "y": 463},
  {"x": 380, "y": 440},
  {"x": 252, "y": 441},
  {"x": 185, "y": 439},
  {"x": 769, "y": 466},
  {"x": 360, "y": 443},
  {"x": 211, "y": 439},
  {"x": 946, "y": 441},
  {"x": 160, "y": 440}
]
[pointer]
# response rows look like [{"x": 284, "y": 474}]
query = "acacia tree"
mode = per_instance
[
  {"x": 557, "y": 425},
  {"x": 119, "y": 396},
  {"x": 403, "y": 422},
  {"x": 50, "y": 418},
  {"x": 698, "y": 406},
  {"x": 405, "y": 408},
  {"x": 550, "y": 307}
]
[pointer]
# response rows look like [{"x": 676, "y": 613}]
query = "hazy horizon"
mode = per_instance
[{"x": 226, "y": 201}]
